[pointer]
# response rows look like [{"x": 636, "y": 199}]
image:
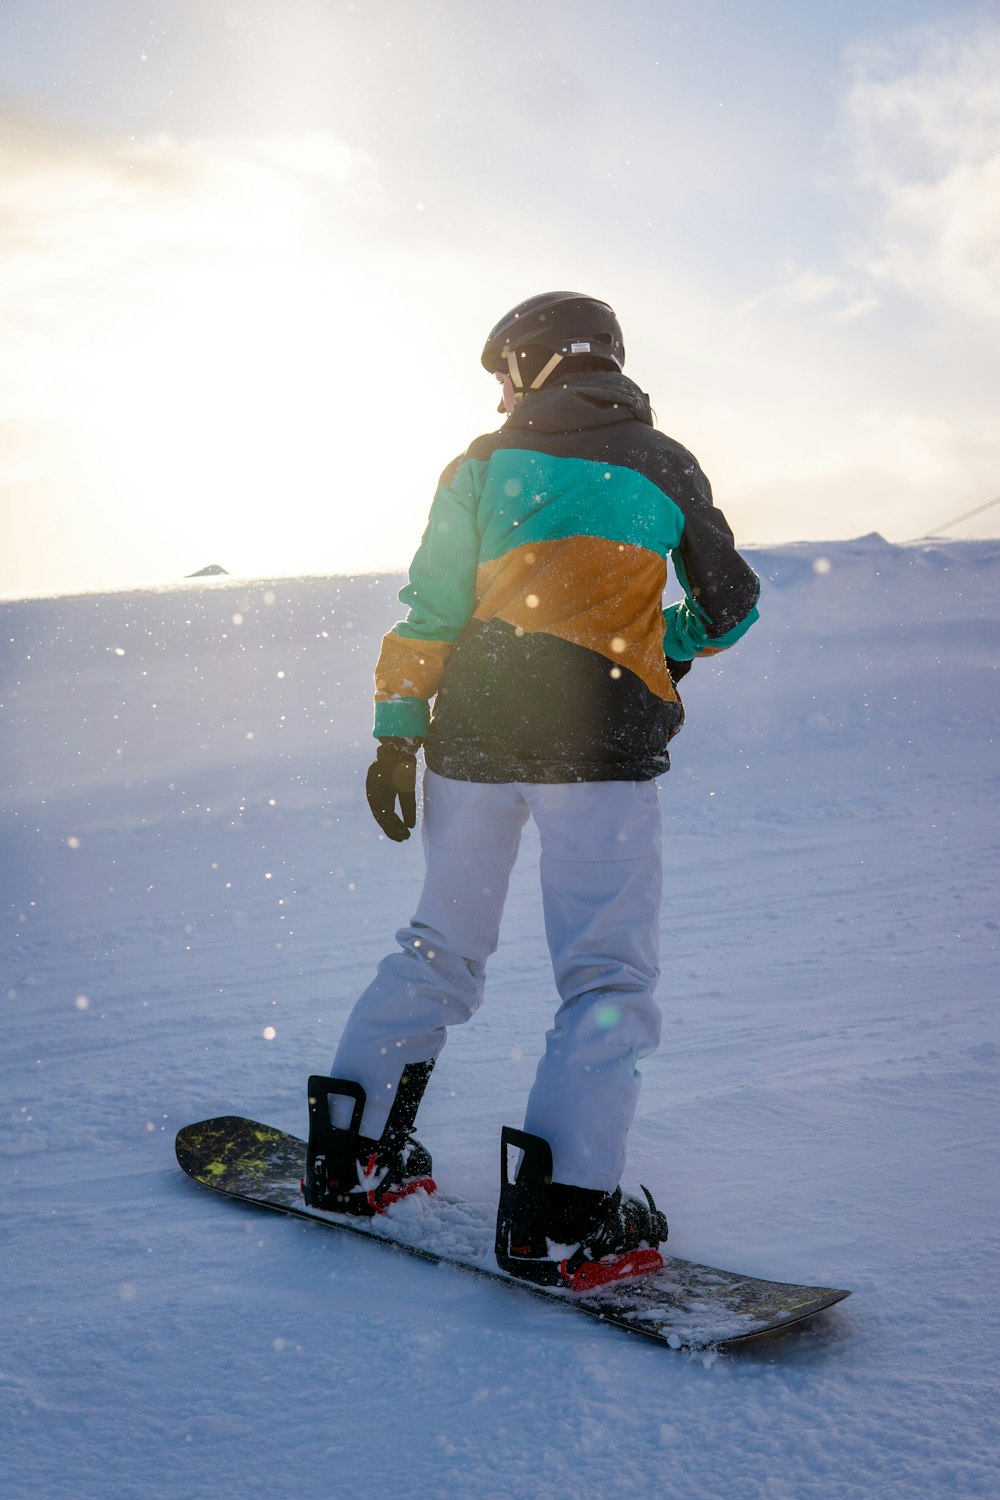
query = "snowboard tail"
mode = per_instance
[{"x": 683, "y": 1305}]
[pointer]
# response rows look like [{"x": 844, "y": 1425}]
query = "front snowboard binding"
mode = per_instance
[
  {"x": 348, "y": 1173},
  {"x": 558, "y": 1235}
]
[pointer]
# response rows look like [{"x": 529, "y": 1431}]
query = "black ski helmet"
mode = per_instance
[{"x": 566, "y": 324}]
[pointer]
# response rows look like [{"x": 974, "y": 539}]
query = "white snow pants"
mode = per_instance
[{"x": 601, "y": 877}]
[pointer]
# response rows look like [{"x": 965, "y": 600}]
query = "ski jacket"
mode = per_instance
[{"x": 536, "y": 617}]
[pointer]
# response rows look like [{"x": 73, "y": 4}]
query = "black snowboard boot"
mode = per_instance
[
  {"x": 348, "y": 1173},
  {"x": 558, "y": 1235}
]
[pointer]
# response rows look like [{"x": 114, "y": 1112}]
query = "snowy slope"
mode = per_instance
[{"x": 187, "y": 862}]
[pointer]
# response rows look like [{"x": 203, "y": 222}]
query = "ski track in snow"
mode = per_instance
[{"x": 187, "y": 860}]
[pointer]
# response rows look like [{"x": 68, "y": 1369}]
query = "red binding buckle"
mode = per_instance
[
  {"x": 595, "y": 1273},
  {"x": 415, "y": 1185}
]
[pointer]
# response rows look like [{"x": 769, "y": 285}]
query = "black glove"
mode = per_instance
[
  {"x": 392, "y": 774},
  {"x": 677, "y": 669}
]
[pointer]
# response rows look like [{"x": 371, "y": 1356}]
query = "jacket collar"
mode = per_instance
[{"x": 577, "y": 402}]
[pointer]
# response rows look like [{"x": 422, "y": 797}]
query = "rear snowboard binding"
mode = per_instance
[
  {"x": 557, "y": 1235},
  {"x": 348, "y": 1173}
]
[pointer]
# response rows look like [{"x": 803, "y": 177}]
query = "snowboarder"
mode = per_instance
[{"x": 536, "y": 625}]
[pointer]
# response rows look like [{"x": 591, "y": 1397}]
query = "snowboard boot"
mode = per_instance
[
  {"x": 557, "y": 1235},
  {"x": 348, "y": 1173}
]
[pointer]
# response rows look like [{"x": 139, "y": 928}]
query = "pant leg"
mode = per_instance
[
  {"x": 471, "y": 833},
  {"x": 601, "y": 871}
]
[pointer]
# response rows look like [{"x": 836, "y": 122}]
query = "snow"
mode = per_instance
[{"x": 194, "y": 895}]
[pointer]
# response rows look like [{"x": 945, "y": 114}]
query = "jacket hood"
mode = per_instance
[{"x": 577, "y": 402}]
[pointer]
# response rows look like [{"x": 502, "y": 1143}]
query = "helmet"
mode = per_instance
[{"x": 565, "y": 324}]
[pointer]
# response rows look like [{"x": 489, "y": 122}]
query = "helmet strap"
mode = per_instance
[
  {"x": 540, "y": 378},
  {"x": 545, "y": 372}
]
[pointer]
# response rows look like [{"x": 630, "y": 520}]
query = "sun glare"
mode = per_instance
[
  {"x": 245, "y": 402},
  {"x": 235, "y": 387}
]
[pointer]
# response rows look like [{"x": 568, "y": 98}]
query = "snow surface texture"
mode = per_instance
[{"x": 195, "y": 895}]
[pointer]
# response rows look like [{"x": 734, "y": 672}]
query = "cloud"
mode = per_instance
[
  {"x": 839, "y": 297},
  {"x": 882, "y": 355},
  {"x": 922, "y": 126},
  {"x": 103, "y": 205}
]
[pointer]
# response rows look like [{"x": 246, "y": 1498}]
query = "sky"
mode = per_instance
[{"x": 249, "y": 254}]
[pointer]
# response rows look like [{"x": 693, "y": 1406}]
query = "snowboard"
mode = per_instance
[{"x": 683, "y": 1306}]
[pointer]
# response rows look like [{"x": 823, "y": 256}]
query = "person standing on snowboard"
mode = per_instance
[{"x": 536, "y": 625}]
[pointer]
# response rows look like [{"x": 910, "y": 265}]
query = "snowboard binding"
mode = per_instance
[
  {"x": 556, "y": 1235},
  {"x": 347, "y": 1173}
]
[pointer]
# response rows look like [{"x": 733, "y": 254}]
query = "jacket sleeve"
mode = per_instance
[
  {"x": 441, "y": 596},
  {"x": 720, "y": 588}
]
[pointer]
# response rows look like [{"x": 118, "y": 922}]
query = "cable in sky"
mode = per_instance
[{"x": 966, "y": 515}]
